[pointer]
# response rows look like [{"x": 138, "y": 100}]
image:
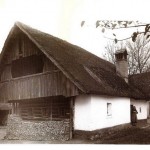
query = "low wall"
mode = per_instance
[{"x": 37, "y": 130}]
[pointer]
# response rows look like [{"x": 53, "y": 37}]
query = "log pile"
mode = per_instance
[{"x": 37, "y": 130}]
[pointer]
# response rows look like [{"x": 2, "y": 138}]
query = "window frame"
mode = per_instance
[{"x": 109, "y": 109}]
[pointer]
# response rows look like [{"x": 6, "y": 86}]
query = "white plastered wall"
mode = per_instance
[
  {"x": 143, "y": 105},
  {"x": 120, "y": 111},
  {"x": 82, "y": 113},
  {"x": 91, "y": 112}
]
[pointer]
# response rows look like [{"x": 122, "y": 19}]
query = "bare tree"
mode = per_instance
[
  {"x": 110, "y": 49},
  {"x": 138, "y": 53},
  {"x": 109, "y": 52}
]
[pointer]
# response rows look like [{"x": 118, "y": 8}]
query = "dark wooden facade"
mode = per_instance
[
  {"x": 32, "y": 83},
  {"x": 48, "y": 108}
]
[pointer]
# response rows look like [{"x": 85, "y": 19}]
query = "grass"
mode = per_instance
[{"x": 127, "y": 136}]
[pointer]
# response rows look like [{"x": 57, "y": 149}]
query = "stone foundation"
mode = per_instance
[{"x": 37, "y": 130}]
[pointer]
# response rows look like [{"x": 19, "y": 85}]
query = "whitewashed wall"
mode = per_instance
[
  {"x": 82, "y": 113},
  {"x": 120, "y": 111},
  {"x": 91, "y": 112},
  {"x": 143, "y": 105}
]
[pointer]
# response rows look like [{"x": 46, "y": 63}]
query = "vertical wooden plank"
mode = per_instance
[
  {"x": 27, "y": 88},
  {"x": 42, "y": 83},
  {"x": 14, "y": 90},
  {"x": 17, "y": 108},
  {"x": 34, "y": 85},
  {"x": 11, "y": 90},
  {"x": 51, "y": 110},
  {"x": 54, "y": 83},
  {"x": 63, "y": 83},
  {"x": 22, "y": 89},
  {"x": 13, "y": 108},
  {"x": 59, "y": 84},
  {"x": 47, "y": 84},
  {"x": 37, "y": 88}
]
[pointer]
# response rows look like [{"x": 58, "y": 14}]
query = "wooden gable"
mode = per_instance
[{"x": 22, "y": 76}]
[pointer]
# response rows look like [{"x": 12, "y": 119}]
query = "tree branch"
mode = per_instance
[{"x": 127, "y": 27}]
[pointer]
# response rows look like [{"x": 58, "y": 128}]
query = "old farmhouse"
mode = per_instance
[{"x": 49, "y": 88}]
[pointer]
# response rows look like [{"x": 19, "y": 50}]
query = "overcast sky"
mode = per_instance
[{"x": 62, "y": 18}]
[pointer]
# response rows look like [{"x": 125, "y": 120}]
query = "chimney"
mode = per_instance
[{"x": 122, "y": 64}]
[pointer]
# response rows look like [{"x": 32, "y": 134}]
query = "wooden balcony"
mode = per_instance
[{"x": 46, "y": 84}]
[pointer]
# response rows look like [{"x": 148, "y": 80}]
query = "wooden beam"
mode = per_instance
[{"x": 71, "y": 116}]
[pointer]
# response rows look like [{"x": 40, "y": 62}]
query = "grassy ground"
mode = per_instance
[
  {"x": 129, "y": 136},
  {"x": 139, "y": 134}
]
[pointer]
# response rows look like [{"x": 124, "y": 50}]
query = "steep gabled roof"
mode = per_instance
[
  {"x": 141, "y": 82},
  {"x": 91, "y": 74}
]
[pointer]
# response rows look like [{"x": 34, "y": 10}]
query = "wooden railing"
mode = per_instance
[{"x": 34, "y": 86}]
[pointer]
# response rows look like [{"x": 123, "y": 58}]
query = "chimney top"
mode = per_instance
[
  {"x": 120, "y": 51},
  {"x": 121, "y": 54}
]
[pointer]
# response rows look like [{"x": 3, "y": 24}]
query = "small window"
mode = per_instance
[
  {"x": 109, "y": 109},
  {"x": 140, "y": 110}
]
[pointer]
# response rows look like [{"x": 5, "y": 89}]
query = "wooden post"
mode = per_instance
[
  {"x": 51, "y": 111},
  {"x": 71, "y": 117},
  {"x": 13, "y": 108},
  {"x": 17, "y": 104}
]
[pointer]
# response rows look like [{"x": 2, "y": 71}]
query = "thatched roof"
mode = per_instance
[
  {"x": 141, "y": 82},
  {"x": 91, "y": 74}
]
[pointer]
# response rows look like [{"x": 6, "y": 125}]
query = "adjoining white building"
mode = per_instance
[{"x": 94, "y": 112}]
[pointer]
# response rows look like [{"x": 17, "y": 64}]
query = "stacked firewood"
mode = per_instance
[{"x": 37, "y": 130}]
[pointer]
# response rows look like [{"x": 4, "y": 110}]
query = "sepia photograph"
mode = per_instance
[{"x": 75, "y": 72}]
